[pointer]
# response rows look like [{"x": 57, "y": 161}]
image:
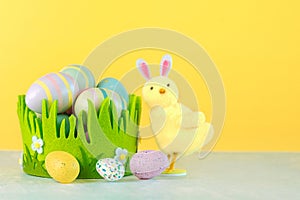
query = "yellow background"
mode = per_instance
[{"x": 255, "y": 45}]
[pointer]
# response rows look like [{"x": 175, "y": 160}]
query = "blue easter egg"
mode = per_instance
[
  {"x": 81, "y": 74},
  {"x": 114, "y": 85}
]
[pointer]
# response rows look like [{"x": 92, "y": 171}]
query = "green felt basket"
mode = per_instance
[{"x": 106, "y": 132}]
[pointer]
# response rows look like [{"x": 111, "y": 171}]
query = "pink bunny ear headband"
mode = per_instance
[{"x": 165, "y": 67}]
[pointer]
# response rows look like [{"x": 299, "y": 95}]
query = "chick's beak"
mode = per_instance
[{"x": 162, "y": 91}]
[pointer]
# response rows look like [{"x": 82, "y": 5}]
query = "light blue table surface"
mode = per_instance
[{"x": 219, "y": 176}]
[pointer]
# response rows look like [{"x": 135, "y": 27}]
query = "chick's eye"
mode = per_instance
[
  {"x": 151, "y": 88},
  {"x": 168, "y": 84}
]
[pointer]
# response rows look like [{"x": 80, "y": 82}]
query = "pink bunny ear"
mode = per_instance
[
  {"x": 143, "y": 68},
  {"x": 165, "y": 65}
]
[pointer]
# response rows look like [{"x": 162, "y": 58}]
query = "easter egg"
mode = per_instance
[
  {"x": 53, "y": 86},
  {"x": 148, "y": 164},
  {"x": 59, "y": 120},
  {"x": 81, "y": 74},
  {"x": 114, "y": 85},
  {"x": 118, "y": 100},
  {"x": 62, "y": 166},
  {"x": 110, "y": 169},
  {"x": 81, "y": 103},
  {"x": 97, "y": 95}
]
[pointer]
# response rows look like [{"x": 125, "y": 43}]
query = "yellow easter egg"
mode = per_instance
[{"x": 62, "y": 166}]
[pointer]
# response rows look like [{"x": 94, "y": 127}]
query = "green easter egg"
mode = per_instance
[{"x": 59, "y": 120}]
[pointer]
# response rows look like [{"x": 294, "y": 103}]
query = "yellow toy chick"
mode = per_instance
[{"x": 178, "y": 130}]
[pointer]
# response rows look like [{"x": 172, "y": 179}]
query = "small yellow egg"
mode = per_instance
[{"x": 62, "y": 166}]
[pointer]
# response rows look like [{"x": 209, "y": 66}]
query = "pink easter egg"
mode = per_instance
[{"x": 148, "y": 164}]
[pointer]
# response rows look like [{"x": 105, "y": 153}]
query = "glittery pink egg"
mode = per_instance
[{"x": 148, "y": 164}]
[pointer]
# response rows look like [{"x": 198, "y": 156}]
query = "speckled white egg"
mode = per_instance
[
  {"x": 148, "y": 164},
  {"x": 114, "y": 85},
  {"x": 110, "y": 169},
  {"x": 53, "y": 86},
  {"x": 81, "y": 74}
]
